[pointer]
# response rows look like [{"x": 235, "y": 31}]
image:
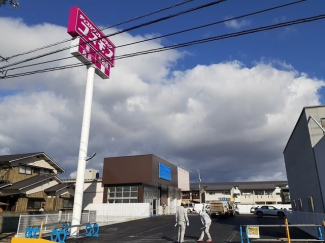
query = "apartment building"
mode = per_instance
[{"x": 258, "y": 192}]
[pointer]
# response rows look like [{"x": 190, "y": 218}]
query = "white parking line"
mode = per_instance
[{"x": 232, "y": 236}]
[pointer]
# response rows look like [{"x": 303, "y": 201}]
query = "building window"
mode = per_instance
[
  {"x": 195, "y": 194},
  {"x": 212, "y": 193},
  {"x": 299, "y": 204},
  {"x": 68, "y": 203},
  {"x": 34, "y": 203},
  {"x": 311, "y": 204},
  {"x": 186, "y": 194},
  {"x": 25, "y": 170},
  {"x": 122, "y": 194},
  {"x": 269, "y": 192},
  {"x": 259, "y": 193},
  {"x": 44, "y": 171}
]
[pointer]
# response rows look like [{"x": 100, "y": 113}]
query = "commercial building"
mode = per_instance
[
  {"x": 304, "y": 157},
  {"x": 143, "y": 178}
]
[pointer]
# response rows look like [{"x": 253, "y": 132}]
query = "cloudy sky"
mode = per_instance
[{"x": 226, "y": 107}]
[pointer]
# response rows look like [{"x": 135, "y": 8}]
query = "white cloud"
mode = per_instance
[
  {"x": 237, "y": 24},
  {"x": 228, "y": 120}
]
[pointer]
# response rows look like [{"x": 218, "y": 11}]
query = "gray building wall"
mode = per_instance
[
  {"x": 301, "y": 166},
  {"x": 319, "y": 151}
]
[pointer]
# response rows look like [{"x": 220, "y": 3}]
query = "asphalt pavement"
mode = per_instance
[{"x": 162, "y": 229}]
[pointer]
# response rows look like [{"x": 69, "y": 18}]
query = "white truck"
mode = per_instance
[
  {"x": 222, "y": 208},
  {"x": 202, "y": 207}
]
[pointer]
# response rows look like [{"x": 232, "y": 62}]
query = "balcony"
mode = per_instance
[{"x": 257, "y": 199}]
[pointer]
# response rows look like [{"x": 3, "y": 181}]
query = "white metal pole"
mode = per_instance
[{"x": 78, "y": 195}]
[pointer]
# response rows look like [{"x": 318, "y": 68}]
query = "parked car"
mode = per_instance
[
  {"x": 270, "y": 210},
  {"x": 253, "y": 209}
]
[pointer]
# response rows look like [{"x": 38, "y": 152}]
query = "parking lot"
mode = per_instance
[{"x": 161, "y": 229}]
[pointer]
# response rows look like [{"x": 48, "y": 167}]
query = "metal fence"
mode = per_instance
[{"x": 50, "y": 221}]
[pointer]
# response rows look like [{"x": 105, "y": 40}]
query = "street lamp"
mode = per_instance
[{"x": 92, "y": 156}]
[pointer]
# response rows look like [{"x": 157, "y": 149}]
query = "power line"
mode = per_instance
[
  {"x": 148, "y": 14},
  {"x": 123, "y": 22},
  {"x": 174, "y": 33},
  {"x": 235, "y": 34},
  {"x": 118, "y": 32},
  {"x": 205, "y": 40},
  {"x": 215, "y": 23}
]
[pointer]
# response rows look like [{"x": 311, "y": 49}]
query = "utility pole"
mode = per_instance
[{"x": 198, "y": 171}]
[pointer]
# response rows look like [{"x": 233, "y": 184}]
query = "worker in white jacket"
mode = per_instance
[
  {"x": 181, "y": 222},
  {"x": 206, "y": 221}
]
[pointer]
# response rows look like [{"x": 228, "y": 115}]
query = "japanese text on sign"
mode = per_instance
[{"x": 81, "y": 25}]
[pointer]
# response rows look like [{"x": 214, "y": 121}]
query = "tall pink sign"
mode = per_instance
[
  {"x": 86, "y": 53},
  {"x": 92, "y": 39}
]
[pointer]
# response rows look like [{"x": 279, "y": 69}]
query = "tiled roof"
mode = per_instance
[
  {"x": 14, "y": 157},
  {"x": 32, "y": 181},
  {"x": 4, "y": 184},
  {"x": 58, "y": 187}
]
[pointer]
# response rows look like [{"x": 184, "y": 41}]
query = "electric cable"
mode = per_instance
[
  {"x": 174, "y": 33},
  {"x": 215, "y": 23},
  {"x": 235, "y": 34},
  {"x": 123, "y": 22},
  {"x": 106, "y": 36},
  {"x": 148, "y": 14}
]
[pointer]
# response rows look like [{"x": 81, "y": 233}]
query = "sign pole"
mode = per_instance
[{"x": 78, "y": 196}]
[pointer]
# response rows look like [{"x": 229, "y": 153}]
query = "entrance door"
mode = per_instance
[{"x": 154, "y": 205}]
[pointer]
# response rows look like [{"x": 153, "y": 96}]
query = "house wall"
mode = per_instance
[
  {"x": 37, "y": 162},
  {"x": 93, "y": 193},
  {"x": 14, "y": 176},
  {"x": 21, "y": 205},
  {"x": 53, "y": 204}
]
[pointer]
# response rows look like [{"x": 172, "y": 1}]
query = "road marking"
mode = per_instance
[{"x": 232, "y": 236}]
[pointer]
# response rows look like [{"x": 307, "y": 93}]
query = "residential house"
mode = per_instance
[{"x": 26, "y": 181}]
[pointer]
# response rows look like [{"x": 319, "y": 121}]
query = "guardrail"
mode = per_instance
[
  {"x": 252, "y": 233},
  {"x": 60, "y": 234}
]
